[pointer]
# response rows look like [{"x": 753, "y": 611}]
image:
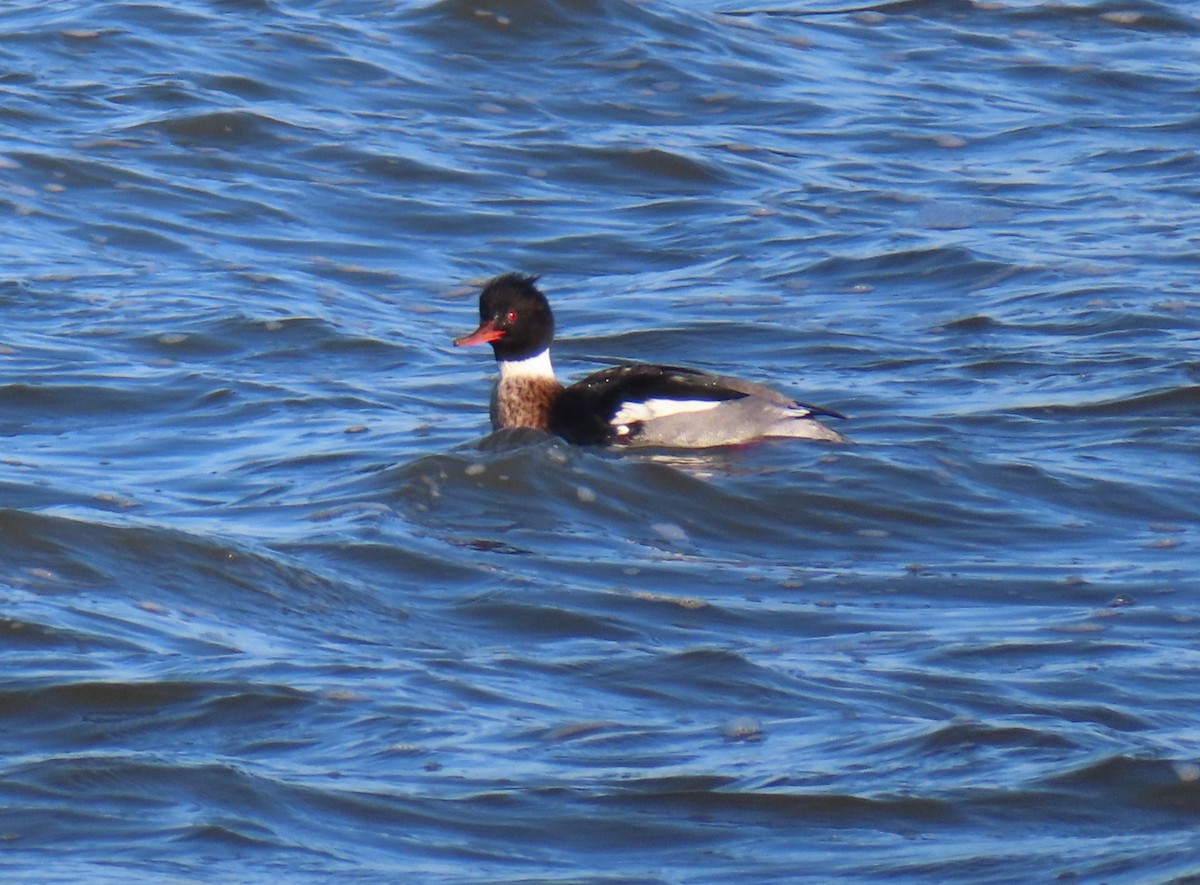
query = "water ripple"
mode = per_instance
[{"x": 277, "y": 603}]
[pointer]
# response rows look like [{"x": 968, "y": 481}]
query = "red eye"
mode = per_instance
[{"x": 510, "y": 317}]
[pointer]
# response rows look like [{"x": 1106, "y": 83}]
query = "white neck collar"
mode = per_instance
[{"x": 536, "y": 366}]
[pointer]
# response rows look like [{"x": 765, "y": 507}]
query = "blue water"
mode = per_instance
[{"x": 275, "y": 606}]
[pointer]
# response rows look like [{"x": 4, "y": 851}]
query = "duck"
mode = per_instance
[{"x": 628, "y": 405}]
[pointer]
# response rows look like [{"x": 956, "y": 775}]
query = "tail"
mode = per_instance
[
  {"x": 808, "y": 427},
  {"x": 820, "y": 412}
]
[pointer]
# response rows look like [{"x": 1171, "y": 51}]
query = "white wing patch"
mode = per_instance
[{"x": 632, "y": 412}]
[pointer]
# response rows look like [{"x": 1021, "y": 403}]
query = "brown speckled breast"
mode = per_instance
[{"x": 523, "y": 402}]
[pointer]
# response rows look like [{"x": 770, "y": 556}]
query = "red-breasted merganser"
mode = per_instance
[{"x": 626, "y": 405}]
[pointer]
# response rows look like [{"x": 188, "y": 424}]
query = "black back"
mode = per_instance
[{"x": 583, "y": 412}]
